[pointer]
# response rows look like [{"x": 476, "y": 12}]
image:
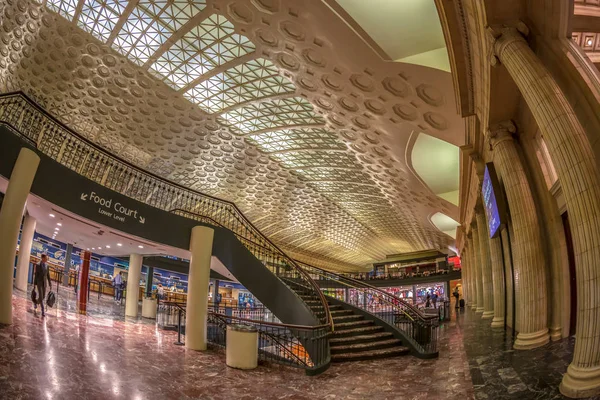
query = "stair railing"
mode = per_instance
[
  {"x": 76, "y": 152},
  {"x": 420, "y": 330}
]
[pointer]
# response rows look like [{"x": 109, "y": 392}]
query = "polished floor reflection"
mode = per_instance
[{"x": 104, "y": 356}]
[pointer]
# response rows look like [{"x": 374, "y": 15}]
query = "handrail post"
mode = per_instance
[{"x": 178, "y": 342}]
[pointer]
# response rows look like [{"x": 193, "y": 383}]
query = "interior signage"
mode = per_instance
[
  {"x": 112, "y": 209},
  {"x": 490, "y": 190}
]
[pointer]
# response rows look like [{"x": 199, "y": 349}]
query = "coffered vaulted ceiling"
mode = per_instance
[{"x": 276, "y": 105}]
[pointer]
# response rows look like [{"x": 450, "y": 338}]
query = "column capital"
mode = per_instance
[
  {"x": 500, "y": 132},
  {"x": 504, "y": 35}
]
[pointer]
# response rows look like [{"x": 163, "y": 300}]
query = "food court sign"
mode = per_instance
[{"x": 112, "y": 209}]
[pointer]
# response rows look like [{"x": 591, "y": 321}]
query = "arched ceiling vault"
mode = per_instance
[{"x": 276, "y": 105}]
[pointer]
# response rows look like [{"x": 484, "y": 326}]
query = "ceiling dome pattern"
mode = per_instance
[{"x": 271, "y": 104}]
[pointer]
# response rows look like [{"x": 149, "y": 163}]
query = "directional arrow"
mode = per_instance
[
  {"x": 142, "y": 220},
  {"x": 83, "y": 196}
]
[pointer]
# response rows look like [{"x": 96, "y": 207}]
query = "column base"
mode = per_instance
[
  {"x": 488, "y": 314},
  {"x": 473, "y": 306},
  {"x": 498, "y": 322},
  {"x": 555, "y": 333},
  {"x": 479, "y": 309},
  {"x": 581, "y": 382},
  {"x": 526, "y": 341}
]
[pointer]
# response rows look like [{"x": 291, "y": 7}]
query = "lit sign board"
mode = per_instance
[{"x": 490, "y": 201}]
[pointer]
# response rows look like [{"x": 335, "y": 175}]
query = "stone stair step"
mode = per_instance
[
  {"x": 344, "y": 318},
  {"x": 361, "y": 338},
  {"x": 357, "y": 330},
  {"x": 353, "y": 324},
  {"x": 341, "y": 312},
  {"x": 370, "y": 354},
  {"x": 358, "y": 347}
]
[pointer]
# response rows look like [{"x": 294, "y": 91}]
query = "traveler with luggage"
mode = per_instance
[{"x": 41, "y": 273}]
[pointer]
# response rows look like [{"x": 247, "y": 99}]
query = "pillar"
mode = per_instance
[
  {"x": 82, "y": 282},
  {"x": 11, "y": 213},
  {"x": 68, "y": 255},
  {"x": 464, "y": 270},
  {"x": 215, "y": 293},
  {"x": 149, "y": 279},
  {"x": 473, "y": 272},
  {"x": 133, "y": 285},
  {"x": 478, "y": 269},
  {"x": 25, "y": 252},
  {"x": 486, "y": 265},
  {"x": 497, "y": 262},
  {"x": 574, "y": 161},
  {"x": 508, "y": 273},
  {"x": 197, "y": 298},
  {"x": 527, "y": 249}
]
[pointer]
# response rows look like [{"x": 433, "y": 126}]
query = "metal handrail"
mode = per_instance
[{"x": 78, "y": 153}]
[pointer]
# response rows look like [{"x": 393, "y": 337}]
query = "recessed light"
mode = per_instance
[
  {"x": 589, "y": 42},
  {"x": 88, "y": 248},
  {"x": 119, "y": 244},
  {"x": 57, "y": 229},
  {"x": 99, "y": 248},
  {"x": 108, "y": 247},
  {"x": 93, "y": 248},
  {"x": 51, "y": 215},
  {"x": 59, "y": 224},
  {"x": 140, "y": 246}
]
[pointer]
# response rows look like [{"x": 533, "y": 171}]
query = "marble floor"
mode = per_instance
[{"x": 104, "y": 356}]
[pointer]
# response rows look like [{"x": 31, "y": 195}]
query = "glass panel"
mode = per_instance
[
  {"x": 65, "y": 8},
  {"x": 210, "y": 44},
  {"x": 100, "y": 17},
  {"x": 249, "y": 81},
  {"x": 150, "y": 24},
  {"x": 296, "y": 139}
]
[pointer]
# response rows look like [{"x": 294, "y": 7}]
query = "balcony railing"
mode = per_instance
[{"x": 74, "y": 151}]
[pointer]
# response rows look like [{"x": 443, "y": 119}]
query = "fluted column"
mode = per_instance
[
  {"x": 486, "y": 266},
  {"x": 528, "y": 255},
  {"x": 574, "y": 161},
  {"x": 473, "y": 273},
  {"x": 498, "y": 281},
  {"x": 464, "y": 265},
  {"x": 478, "y": 271}
]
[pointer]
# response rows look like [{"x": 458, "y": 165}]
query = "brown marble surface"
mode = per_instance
[{"x": 68, "y": 356}]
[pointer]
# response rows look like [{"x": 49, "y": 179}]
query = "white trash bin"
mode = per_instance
[
  {"x": 149, "y": 308},
  {"x": 242, "y": 346}
]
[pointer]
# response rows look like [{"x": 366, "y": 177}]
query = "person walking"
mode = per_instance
[
  {"x": 41, "y": 273},
  {"x": 456, "y": 295},
  {"x": 434, "y": 299},
  {"x": 118, "y": 285}
]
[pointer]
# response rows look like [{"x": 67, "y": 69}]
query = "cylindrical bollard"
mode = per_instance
[
  {"x": 149, "y": 308},
  {"x": 242, "y": 346}
]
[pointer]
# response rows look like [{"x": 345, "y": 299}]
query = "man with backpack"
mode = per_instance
[{"x": 41, "y": 274}]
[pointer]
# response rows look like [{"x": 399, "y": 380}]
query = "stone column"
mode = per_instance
[
  {"x": 68, "y": 255},
  {"x": 464, "y": 271},
  {"x": 574, "y": 161},
  {"x": 11, "y": 213},
  {"x": 472, "y": 272},
  {"x": 133, "y": 285},
  {"x": 82, "y": 282},
  {"x": 486, "y": 265},
  {"x": 498, "y": 281},
  {"x": 25, "y": 252},
  {"x": 197, "y": 298},
  {"x": 478, "y": 267},
  {"x": 149, "y": 278},
  {"x": 215, "y": 293},
  {"x": 528, "y": 255}
]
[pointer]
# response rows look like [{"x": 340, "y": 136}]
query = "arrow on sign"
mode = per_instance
[
  {"x": 142, "y": 220},
  {"x": 83, "y": 197}
]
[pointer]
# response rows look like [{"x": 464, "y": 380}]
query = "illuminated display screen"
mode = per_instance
[{"x": 490, "y": 203}]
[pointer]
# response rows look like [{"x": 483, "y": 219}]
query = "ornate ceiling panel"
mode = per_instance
[{"x": 273, "y": 104}]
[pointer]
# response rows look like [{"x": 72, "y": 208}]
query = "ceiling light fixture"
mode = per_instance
[
  {"x": 99, "y": 248},
  {"x": 59, "y": 224},
  {"x": 108, "y": 247},
  {"x": 51, "y": 215},
  {"x": 119, "y": 244},
  {"x": 140, "y": 246},
  {"x": 589, "y": 42},
  {"x": 93, "y": 248},
  {"x": 88, "y": 249},
  {"x": 57, "y": 229}
]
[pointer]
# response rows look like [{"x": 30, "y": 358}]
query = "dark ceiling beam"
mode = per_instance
[{"x": 585, "y": 23}]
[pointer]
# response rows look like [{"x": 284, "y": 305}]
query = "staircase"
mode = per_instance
[{"x": 354, "y": 338}]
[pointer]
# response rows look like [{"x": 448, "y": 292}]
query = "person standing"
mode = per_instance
[
  {"x": 456, "y": 295},
  {"x": 41, "y": 273},
  {"x": 118, "y": 285},
  {"x": 434, "y": 299}
]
